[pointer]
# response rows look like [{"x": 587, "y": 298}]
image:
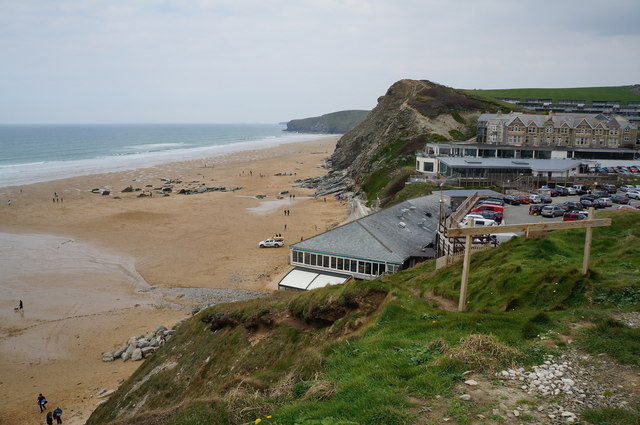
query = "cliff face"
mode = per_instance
[
  {"x": 333, "y": 123},
  {"x": 410, "y": 108}
]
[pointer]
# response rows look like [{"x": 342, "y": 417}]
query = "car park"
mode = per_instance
[
  {"x": 546, "y": 199},
  {"x": 573, "y": 216},
  {"x": 619, "y": 199},
  {"x": 552, "y": 211},
  {"x": 488, "y": 207},
  {"x": 610, "y": 188},
  {"x": 271, "y": 243}
]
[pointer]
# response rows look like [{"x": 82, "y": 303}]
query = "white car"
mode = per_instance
[
  {"x": 635, "y": 194},
  {"x": 606, "y": 201},
  {"x": 271, "y": 243},
  {"x": 627, "y": 187}
]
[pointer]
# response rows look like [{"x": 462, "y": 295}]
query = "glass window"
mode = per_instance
[
  {"x": 307, "y": 258},
  {"x": 313, "y": 259},
  {"x": 340, "y": 263},
  {"x": 334, "y": 263},
  {"x": 325, "y": 261},
  {"x": 374, "y": 269},
  {"x": 427, "y": 166}
]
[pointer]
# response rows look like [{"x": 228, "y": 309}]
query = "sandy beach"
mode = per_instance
[{"x": 86, "y": 264}]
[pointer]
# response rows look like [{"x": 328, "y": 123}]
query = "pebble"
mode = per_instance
[{"x": 471, "y": 382}]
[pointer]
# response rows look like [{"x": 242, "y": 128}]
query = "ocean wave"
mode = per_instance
[
  {"x": 21, "y": 174},
  {"x": 154, "y": 146}
]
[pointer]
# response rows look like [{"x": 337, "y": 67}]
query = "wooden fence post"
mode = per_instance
[
  {"x": 587, "y": 244},
  {"x": 462, "y": 301}
]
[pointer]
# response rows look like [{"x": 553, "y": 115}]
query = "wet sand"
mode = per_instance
[{"x": 83, "y": 266}]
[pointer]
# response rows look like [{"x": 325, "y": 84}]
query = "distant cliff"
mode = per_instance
[{"x": 333, "y": 123}]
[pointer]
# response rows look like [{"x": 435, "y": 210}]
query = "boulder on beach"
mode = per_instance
[
  {"x": 107, "y": 357},
  {"x": 137, "y": 355}
]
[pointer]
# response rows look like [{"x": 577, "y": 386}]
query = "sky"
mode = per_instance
[{"x": 264, "y": 61}]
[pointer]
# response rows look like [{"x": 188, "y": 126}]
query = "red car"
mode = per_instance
[
  {"x": 524, "y": 199},
  {"x": 573, "y": 216}
]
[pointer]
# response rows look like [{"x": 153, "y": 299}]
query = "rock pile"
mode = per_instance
[
  {"x": 572, "y": 381},
  {"x": 139, "y": 347},
  {"x": 333, "y": 183},
  {"x": 208, "y": 189}
]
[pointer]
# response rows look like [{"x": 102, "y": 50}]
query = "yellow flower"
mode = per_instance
[
  {"x": 434, "y": 321},
  {"x": 257, "y": 421},
  {"x": 269, "y": 417}
]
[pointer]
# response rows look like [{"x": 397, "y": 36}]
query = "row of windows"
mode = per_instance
[
  {"x": 342, "y": 264},
  {"x": 565, "y": 130}
]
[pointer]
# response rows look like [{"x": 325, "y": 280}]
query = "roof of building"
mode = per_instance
[
  {"x": 464, "y": 145},
  {"x": 391, "y": 235},
  {"x": 559, "y": 119},
  {"x": 520, "y": 164},
  {"x": 465, "y": 193},
  {"x": 307, "y": 279}
]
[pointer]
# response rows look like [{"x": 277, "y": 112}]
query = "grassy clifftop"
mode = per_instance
[
  {"x": 589, "y": 94},
  {"x": 392, "y": 351}
]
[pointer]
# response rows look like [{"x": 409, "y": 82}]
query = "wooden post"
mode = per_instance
[
  {"x": 462, "y": 301},
  {"x": 587, "y": 244}
]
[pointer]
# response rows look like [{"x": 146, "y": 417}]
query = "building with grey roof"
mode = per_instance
[
  {"x": 558, "y": 129},
  {"x": 384, "y": 242}
]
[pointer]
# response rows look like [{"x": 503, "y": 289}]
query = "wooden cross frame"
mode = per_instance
[{"x": 471, "y": 231}]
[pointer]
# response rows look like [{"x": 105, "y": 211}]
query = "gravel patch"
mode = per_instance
[{"x": 199, "y": 298}]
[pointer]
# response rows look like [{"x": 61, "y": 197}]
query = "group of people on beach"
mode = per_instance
[
  {"x": 56, "y": 198},
  {"x": 51, "y": 416}
]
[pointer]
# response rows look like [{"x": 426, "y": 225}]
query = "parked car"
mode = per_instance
[
  {"x": 573, "y": 216},
  {"x": 586, "y": 203},
  {"x": 478, "y": 222},
  {"x": 493, "y": 200},
  {"x": 571, "y": 205},
  {"x": 271, "y": 243},
  {"x": 553, "y": 193},
  {"x": 619, "y": 199},
  {"x": 511, "y": 200},
  {"x": 488, "y": 207},
  {"x": 552, "y": 211},
  {"x": 582, "y": 189},
  {"x": 635, "y": 194},
  {"x": 627, "y": 187},
  {"x": 524, "y": 199},
  {"x": 535, "y": 209},
  {"x": 627, "y": 207},
  {"x": 546, "y": 199},
  {"x": 491, "y": 215},
  {"x": 535, "y": 199},
  {"x": 600, "y": 193},
  {"x": 610, "y": 188},
  {"x": 601, "y": 203},
  {"x": 562, "y": 191},
  {"x": 634, "y": 169}
]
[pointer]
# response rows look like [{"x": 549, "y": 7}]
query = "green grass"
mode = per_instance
[
  {"x": 610, "y": 416},
  {"x": 357, "y": 353},
  {"x": 621, "y": 93}
]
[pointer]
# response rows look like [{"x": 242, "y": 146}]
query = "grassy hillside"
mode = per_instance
[
  {"x": 389, "y": 352},
  {"x": 333, "y": 123},
  {"x": 589, "y": 94}
]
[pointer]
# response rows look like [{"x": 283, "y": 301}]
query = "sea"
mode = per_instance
[{"x": 37, "y": 153}]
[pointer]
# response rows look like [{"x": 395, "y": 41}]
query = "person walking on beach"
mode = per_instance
[
  {"x": 57, "y": 415},
  {"x": 49, "y": 418},
  {"x": 42, "y": 401},
  {"x": 20, "y": 306}
]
